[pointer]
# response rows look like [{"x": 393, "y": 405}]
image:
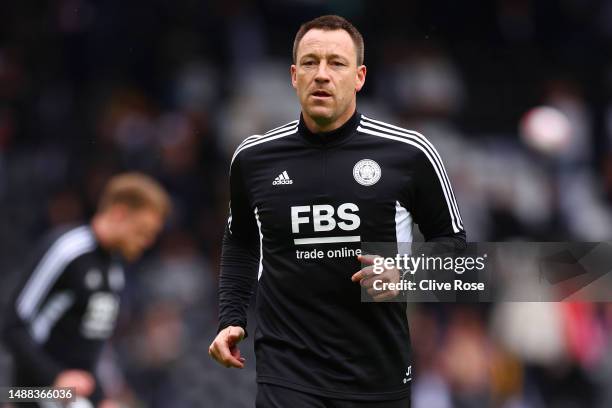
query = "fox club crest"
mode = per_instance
[{"x": 366, "y": 172}]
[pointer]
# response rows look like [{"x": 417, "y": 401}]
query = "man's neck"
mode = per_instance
[{"x": 324, "y": 126}]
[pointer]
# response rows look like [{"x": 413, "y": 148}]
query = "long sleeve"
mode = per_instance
[
  {"x": 28, "y": 353},
  {"x": 240, "y": 255},
  {"x": 435, "y": 208}
]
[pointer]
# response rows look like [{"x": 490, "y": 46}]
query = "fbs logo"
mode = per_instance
[
  {"x": 324, "y": 217},
  {"x": 282, "y": 178}
]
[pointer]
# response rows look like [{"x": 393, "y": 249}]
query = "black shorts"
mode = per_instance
[{"x": 274, "y": 396}]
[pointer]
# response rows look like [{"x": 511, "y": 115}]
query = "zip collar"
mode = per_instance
[{"x": 333, "y": 137}]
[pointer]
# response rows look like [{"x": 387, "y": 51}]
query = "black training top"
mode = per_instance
[
  {"x": 65, "y": 308},
  {"x": 301, "y": 205}
]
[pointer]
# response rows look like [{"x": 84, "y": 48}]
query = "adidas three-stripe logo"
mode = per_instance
[{"x": 282, "y": 178}]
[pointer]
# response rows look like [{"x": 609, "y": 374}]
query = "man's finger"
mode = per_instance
[
  {"x": 363, "y": 274},
  {"x": 369, "y": 282},
  {"x": 224, "y": 348},
  {"x": 227, "y": 359},
  {"x": 236, "y": 354},
  {"x": 367, "y": 259}
]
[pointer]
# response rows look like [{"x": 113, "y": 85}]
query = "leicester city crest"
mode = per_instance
[{"x": 366, "y": 172}]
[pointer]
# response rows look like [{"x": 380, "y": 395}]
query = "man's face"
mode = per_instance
[
  {"x": 326, "y": 76},
  {"x": 137, "y": 230}
]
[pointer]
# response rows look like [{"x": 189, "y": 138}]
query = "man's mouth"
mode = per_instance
[{"x": 321, "y": 94}]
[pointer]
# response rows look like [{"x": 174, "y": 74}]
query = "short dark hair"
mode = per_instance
[{"x": 331, "y": 23}]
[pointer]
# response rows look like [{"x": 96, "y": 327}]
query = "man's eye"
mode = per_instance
[{"x": 308, "y": 63}]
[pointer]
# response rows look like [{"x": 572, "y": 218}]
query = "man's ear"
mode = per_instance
[
  {"x": 361, "y": 76},
  {"x": 293, "y": 76}
]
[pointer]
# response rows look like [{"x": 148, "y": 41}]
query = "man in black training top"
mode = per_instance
[
  {"x": 67, "y": 305},
  {"x": 303, "y": 198}
]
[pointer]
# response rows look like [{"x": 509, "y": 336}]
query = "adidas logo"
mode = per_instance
[{"x": 282, "y": 178}]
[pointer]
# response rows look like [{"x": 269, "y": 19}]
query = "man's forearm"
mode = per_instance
[
  {"x": 29, "y": 356},
  {"x": 236, "y": 286},
  {"x": 239, "y": 263}
]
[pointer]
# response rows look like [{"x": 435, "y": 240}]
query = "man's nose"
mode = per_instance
[{"x": 322, "y": 72}]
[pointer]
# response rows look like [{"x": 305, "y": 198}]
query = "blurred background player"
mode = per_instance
[{"x": 67, "y": 306}]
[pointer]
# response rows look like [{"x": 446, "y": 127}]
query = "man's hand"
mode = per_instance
[
  {"x": 366, "y": 278},
  {"x": 224, "y": 348},
  {"x": 81, "y": 380}
]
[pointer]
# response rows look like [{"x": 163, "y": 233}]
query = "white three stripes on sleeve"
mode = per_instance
[
  {"x": 50, "y": 313},
  {"x": 272, "y": 132},
  {"x": 68, "y": 247},
  {"x": 254, "y": 140},
  {"x": 388, "y": 131}
]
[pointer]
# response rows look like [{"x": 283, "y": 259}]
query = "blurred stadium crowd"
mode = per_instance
[{"x": 90, "y": 88}]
